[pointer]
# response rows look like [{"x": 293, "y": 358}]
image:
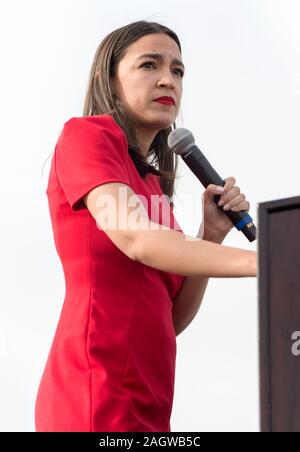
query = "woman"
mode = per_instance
[{"x": 129, "y": 290}]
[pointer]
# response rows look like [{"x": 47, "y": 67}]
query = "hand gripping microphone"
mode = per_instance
[{"x": 182, "y": 142}]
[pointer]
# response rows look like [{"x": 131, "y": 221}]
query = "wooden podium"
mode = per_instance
[{"x": 279, "y": 314}]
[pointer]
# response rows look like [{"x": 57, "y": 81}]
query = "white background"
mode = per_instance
[{"x": 241, "y": 101}]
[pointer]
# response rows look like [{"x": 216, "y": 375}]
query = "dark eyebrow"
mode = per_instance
[{"x": 158, "y": 56}]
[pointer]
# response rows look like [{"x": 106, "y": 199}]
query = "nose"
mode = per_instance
[{"x": 166, "y": 81}]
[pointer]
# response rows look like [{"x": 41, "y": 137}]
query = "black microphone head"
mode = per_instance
[{"x": 180, "y": 140}]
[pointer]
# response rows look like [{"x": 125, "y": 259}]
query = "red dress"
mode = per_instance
[{"x": 111, "y": 365}]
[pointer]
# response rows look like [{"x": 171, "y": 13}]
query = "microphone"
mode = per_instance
[{"x": 182, "y": 142}]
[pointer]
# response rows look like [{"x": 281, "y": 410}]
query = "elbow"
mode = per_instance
[
  {"x": 130, "y": 249},
  {"x": 135, "y": 252},
  {"x": 137, "y": 243},
  {"x": 134, "y": 249},
  {"x": 137, "y": 246}
]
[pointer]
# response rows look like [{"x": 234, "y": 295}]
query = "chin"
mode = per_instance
[{"x": 160, "y": 122}]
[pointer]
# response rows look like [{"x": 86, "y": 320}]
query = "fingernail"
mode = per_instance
[
  {"x": 220, "y": 189},
  {"x": 226, "y": 207},
  {"x": 220, "y": 203}
]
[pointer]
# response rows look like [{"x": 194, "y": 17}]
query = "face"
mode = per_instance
[{"x": 139, "y": 81}]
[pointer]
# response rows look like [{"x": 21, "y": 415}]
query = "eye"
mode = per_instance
[
  {"x": 180, "y": 72},
  {"x": 153, "y": 64}
]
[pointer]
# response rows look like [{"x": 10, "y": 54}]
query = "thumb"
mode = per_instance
[{"x": 212, "y": 190}]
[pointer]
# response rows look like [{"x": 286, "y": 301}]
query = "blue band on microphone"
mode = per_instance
[{"x": 247, "y": 219}]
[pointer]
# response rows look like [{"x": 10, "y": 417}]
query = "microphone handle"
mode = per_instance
[{"x": 203, "y": 170}]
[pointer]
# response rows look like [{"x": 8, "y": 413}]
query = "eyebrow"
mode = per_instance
[{"x": 158, "y": 56}]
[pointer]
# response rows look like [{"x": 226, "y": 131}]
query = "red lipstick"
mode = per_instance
[{"x": 166, "y": 100}]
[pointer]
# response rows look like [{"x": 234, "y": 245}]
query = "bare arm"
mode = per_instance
[
  {"x": 167, "y": 249},
  {"x": 175, "y": 252},
  {"x": 187, "y": 302}
]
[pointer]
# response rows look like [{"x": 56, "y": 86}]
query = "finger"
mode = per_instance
[
  {"x": 235, "y": 200},
  {"x": 212, "y": 190},
  {"x": 245, "y": 205},
  {"x": 229, "y": 183},
  {"x": 228, "y": 197}
]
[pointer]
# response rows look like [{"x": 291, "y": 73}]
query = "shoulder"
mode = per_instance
[
  {"x": 93, "y": 125},
  {"x": 91, "y": 133}
]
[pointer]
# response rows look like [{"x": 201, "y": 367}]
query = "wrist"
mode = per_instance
[{"x": 210, "y": 237}]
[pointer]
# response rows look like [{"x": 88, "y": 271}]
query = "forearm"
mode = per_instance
[
  {"x": 188, "y": 301},
  {"x": 172, "y": 251}
]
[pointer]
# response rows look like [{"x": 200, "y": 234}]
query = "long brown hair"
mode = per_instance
[{"x": 100, "y": 99}]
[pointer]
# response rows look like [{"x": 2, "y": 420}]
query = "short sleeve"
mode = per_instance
[{"x": 90, "y": 151}]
